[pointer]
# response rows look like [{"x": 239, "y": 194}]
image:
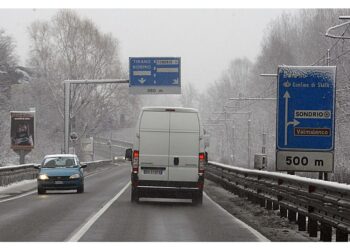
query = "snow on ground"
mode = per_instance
[
  {"x": 17, "y": 185},
  {"x": 267, "y": 222}
]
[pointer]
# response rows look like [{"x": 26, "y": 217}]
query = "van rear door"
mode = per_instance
[
  {"x": 154, "y": 146},
  {"x": 184, "y": 146}
]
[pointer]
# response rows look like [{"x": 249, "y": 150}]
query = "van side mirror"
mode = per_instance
[
  {"x": 37, "y": 166},
  {"x": 83, "y": 165},
  {"x": 128, "y": 154}
]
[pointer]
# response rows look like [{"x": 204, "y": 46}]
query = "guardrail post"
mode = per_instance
[
  {"x": 275, "y": 205},
  {"x": 283, "y": 212},
  {"x": 292, "y": 215},
  {"x": 268, "y": 205},
  {"x": 262, "y": 202},
  {"x": 326, "y": 232},
  {"x": 341, "y": 236},
  {"x": 312, "y": 227},
  {"x": 301, "y": 222}
]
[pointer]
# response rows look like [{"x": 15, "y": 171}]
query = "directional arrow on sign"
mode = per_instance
[
  {"x": 142, "y": 81},
  {"x": 286, "y": 97},
  {"x": 294, "y": 123},
  {"x": 176, "y": 81}
]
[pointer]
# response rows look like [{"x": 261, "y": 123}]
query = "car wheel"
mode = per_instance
[
  {"x": 41, "y": 191},
  {"x": 134, "y": 195},
  {"x": 80, "y": 189},
  {"x": 197, "y": 198}
]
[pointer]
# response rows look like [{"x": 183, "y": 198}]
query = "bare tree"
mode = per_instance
[
  {"x": 189, "y": 96},
  {"x": 71, "y": 48},
  {"x": 8, "y": 77}
]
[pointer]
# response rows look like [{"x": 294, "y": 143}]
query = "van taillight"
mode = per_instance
[
  {"x": 135, "y": 162},
  {"x": 201, "y": 166}
]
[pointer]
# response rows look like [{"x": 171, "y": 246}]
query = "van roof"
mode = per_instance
[
  {"x": 174, "y": 109},
  {"x": 60, "y": 155}
]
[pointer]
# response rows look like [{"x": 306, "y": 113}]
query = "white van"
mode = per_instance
[{"x": 168, "y": 155}]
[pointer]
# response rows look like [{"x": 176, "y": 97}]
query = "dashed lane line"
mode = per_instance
[{"x": 76, "y": 236}]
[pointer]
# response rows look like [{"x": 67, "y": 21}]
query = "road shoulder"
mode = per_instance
[{"x": 267, "y": 222}]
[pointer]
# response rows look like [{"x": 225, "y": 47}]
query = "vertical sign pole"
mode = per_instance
[
  {"x": 233, "y": 145},
  {"x": 66, "y": 115},
  {"x": 325, "y": 175},
  {"x": 22, "y": 156},
  {"x": 226, "y": 135},
  {"x": 249, "y": 121},
  {"x": 263, "y": 150}
]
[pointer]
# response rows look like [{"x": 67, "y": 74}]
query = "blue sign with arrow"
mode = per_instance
[
  {"x": 155, "y": 75},
  {"x": 305, "y": 108}
]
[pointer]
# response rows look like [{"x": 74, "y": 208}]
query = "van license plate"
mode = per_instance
[
  {"x": 153, "y": 171},
  {"x": 58, "y": 182}
]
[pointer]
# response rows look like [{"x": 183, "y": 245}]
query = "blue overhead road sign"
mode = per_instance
[
  {"x": 305, "y": 108},
  {"x": 155, "y": 75}
]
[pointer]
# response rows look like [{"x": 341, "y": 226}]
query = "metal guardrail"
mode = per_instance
[
  {"x": 113, "y": 142},
  {"x": 322, "y": 205},
  {"x": 12, "y": 174}
]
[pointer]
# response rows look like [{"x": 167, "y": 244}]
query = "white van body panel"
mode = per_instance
[
  {"x": 154, "y": 145},
  {"x": 184, "y": 144},
  {"x": 162, "y": 136}
]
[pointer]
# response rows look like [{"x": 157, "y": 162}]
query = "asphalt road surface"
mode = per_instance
[{"x": 104, "y": 213}]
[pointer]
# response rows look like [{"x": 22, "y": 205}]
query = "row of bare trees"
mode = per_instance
[
  {"x": 291, "y": 39},
  {"x": 70, "y": 47}
]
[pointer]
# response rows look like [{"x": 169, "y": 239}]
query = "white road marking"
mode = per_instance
[
  {"x": 18, "y": 196},
  {"x": 85, "y": 227},
  {"x": 34, "y": 191},
  {"x": 252, "y": 230}
]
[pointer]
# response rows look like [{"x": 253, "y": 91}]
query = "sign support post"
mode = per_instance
[{"x": 67, "y": 84}]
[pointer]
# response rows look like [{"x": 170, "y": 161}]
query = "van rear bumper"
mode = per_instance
[{"x": 168, "y": 189}]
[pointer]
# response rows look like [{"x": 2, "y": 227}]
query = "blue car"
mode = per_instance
[{"x": 61, "y": 172}]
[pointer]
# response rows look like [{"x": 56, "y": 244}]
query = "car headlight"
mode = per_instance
[
  {"x": 43, "y": 177},
  {"x": 74, "y": 176}
]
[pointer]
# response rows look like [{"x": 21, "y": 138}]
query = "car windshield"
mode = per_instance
[{"x": 59, "y": 162}]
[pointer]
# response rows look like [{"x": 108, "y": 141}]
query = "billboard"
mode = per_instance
[{"x": 22, "y": 130}]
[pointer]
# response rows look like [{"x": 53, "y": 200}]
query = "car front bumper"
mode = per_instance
[{"x": 60, "y": 185}]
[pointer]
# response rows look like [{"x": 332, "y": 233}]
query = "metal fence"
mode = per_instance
[
  {"x": 12, "y": 174},
  {"x": 315, "y": 205}
]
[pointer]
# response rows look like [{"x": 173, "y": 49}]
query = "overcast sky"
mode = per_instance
[{"x": 205, "y": 39}]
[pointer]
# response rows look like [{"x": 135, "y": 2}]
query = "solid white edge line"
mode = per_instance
[
  {"x": 32, "y": 192},
  {"x": 18, "y": 196},
  {"x": 85, "y": 227},
  {"x": 252, "y": 230}
]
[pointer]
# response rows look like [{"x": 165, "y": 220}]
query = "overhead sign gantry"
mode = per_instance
[{"x": 155, "y": 75}]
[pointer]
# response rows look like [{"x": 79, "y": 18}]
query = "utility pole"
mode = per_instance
[
  {"x": 249, "y": 121},
  {"x": 263, "y": 149},
  {"x": 324, "y": 175}
]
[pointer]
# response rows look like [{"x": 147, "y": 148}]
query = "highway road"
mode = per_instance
[{"x": 104, "y": 213}]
